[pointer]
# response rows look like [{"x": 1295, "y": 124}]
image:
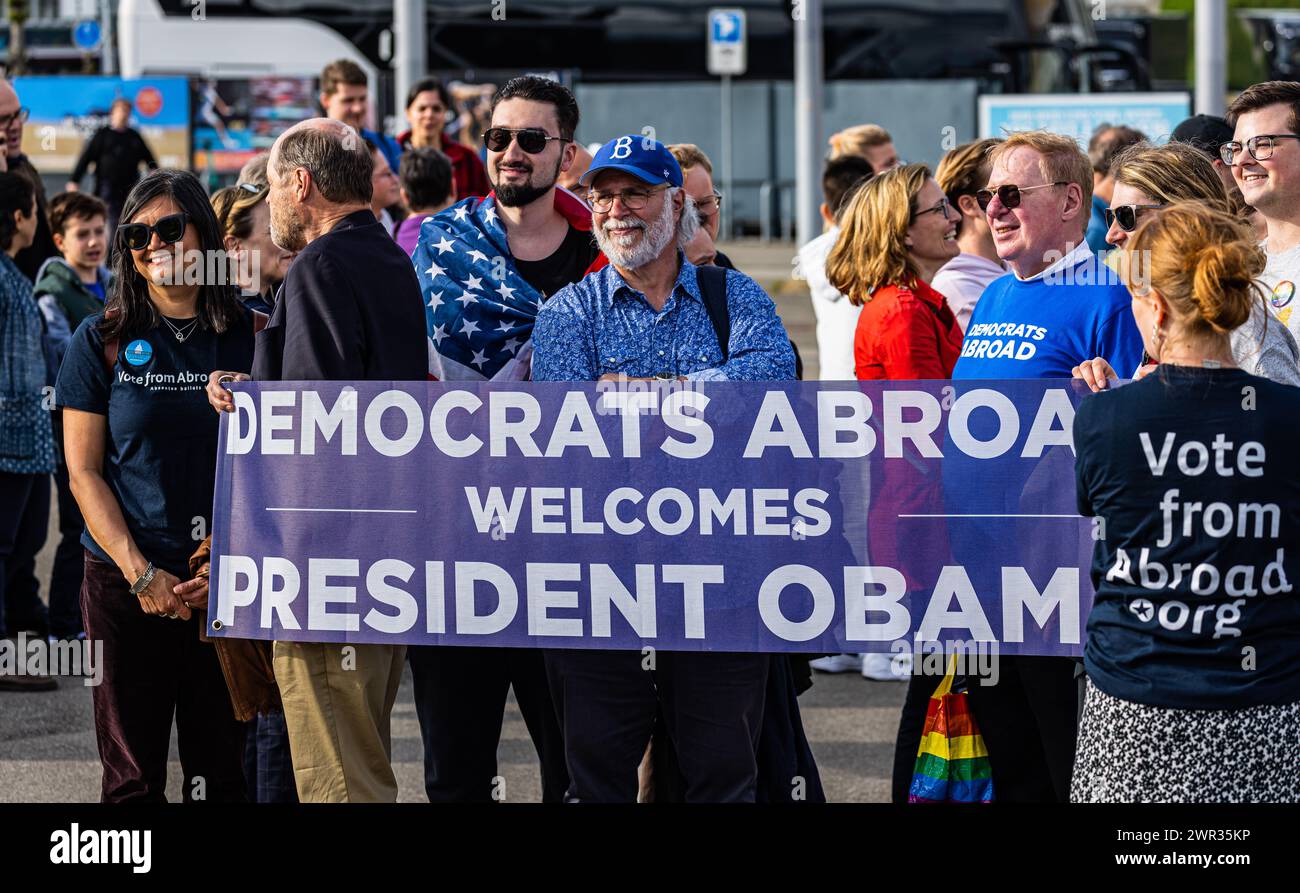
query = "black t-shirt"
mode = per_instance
[
  {"x": 160, "y": 460},
  {"x": 1196, "y": 565},
  {"x": 565, "y": 265}
]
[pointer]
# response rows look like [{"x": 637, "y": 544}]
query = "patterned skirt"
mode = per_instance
[{"x": 1133, "y": 753}]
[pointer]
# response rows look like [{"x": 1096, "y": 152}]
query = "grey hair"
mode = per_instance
[
  {"x": 335, "y": 156},
  {"x": 688, "y": 224}
]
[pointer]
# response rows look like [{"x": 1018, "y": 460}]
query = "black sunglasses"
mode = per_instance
[
  {"x": 1127, "y": 215},
  {"x": 1009, "y": 194},
  {"x": 532, "y": 140},
  {"x": 170, "y": 229}
]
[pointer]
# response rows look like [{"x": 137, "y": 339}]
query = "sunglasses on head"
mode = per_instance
[
  {"x": 1009, "y": 194},
  {"x": 170, "y": 229},
  {"x": 1127, "y": 215},
  {"x": 532, "y": 140}
]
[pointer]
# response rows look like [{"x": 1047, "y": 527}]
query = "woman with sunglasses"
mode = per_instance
[
  {"x": 1149, "y": 178},
  {"x": 895, "y": 234},
  {"x": 141, "y": 447},
  {"x": 1193, "y": 686}
]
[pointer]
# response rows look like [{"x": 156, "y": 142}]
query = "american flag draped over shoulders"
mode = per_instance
[{"x": 478, "y": 310}]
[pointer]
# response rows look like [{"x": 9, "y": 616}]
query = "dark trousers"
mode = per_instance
[
  {"x": 460, "y": 699},
  {"x": 1030, "y": 724},
  {"x": 156, "y": 669},
  {"x": 69, "y": 558},
  {"x": 712, "y": 707},
  {"x": 787, "y": 770},
  {"x": 268, "y": 765},
  {"x": 24, "y": 520}
]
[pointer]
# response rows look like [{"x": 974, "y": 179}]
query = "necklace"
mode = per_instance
[{"x": 181, "y": 332}]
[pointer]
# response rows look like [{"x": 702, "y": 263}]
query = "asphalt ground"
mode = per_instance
[{"x": 47, "y": 740}]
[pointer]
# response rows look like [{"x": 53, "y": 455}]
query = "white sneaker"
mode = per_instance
[
  {"x": 837, "y": 663},
  {"x": 885, "y": 667}
]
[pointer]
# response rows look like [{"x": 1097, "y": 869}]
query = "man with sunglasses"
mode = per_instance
[
  {"x": 1265, "y": 159},
  {"x": 485, "y": 267},
  {"x": 1055, "y": 309},
  {"x": 12, "y": 118}
]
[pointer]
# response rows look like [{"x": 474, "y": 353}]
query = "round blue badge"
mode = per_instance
[{"x": 138, "y": 352}]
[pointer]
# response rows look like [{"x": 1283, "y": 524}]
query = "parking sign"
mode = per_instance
[{"x": 726, "y": 41}]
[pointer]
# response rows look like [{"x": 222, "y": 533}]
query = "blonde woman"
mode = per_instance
[
  {"x": 895, "y": 235},
  {"x": 1149, "y": 178},
  {"x": 1182, "y": 604}
]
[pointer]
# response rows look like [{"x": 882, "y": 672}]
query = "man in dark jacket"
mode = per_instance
[
  {"x": 117, "y": 152},
  {"x": 349, "y": 310},
  {"x": 12, "y": 118}
]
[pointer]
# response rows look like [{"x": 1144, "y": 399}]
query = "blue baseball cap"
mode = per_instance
[{"x": 646, "y": 159}]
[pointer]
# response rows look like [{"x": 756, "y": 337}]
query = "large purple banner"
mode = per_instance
[{"x": 724, "y": 516}]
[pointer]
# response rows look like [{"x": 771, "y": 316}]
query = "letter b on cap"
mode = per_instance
[{"x": 622, "y": 147}]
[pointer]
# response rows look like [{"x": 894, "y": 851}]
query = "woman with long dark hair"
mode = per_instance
[
  {"x": 141, "y": 447},
  {"x": 26, "y": 438}
]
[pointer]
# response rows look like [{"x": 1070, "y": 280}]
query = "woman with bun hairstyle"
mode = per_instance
[
  {"x": 1149, "y": 178},
  {"x": 1193, "y": 687}
]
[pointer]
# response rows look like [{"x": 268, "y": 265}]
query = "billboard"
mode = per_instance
[
  {"x": 235, "y": 118},
  {"x": 1155, "y": 114},
  {"x": 66, "y": 110}
]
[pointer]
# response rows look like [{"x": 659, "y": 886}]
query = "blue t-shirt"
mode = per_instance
[
  {"x": 161, "y": 454},
  {"x": 1045, "y": 327},
  {"x": 1192, "y": 472},
  {"x": 96, "y": 288}
]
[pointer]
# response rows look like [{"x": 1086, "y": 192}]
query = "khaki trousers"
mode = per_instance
[{"x": 337, "y": 703}]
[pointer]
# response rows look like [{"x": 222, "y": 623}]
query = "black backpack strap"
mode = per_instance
[{"x": 712, "y": 282}]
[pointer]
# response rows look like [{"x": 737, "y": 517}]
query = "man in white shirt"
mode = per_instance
[
  {"x": 963, "y": 172},
  {"x": 837, "y": 319},
  {"x": 1265, "y": 160}
]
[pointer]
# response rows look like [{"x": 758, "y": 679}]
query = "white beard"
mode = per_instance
[{"x": 655, "y": 237}]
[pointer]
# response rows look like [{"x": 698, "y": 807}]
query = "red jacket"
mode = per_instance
[
  {"x": 906, "y": 333},
  {"x": 467, "y": 172}
]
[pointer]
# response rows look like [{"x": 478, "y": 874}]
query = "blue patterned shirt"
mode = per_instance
[
  {"x": 602, "y": 325},
  {"x": 26, "y": 434}
]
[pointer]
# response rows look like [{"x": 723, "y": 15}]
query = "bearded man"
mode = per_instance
[{"x": 647, "y": 316}]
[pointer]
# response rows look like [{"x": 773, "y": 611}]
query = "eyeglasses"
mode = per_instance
[
  {"x": 709, "y": 205},
  {"x": 1127, "y": 215},
  {"x": 249, "y": 187},
  {"x": 942, "y": 207},
  {"x": 532, "y": 140},
  {"x": 1009, "y": 194},
  {"x": 1260, "y": 147},
  {"x": 19, "y": 116},
  {"x": 632, "y": 199},
  {"x": 170, "y": 229}
]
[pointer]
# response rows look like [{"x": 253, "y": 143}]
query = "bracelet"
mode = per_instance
[{"x": 143, "y": 581}]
